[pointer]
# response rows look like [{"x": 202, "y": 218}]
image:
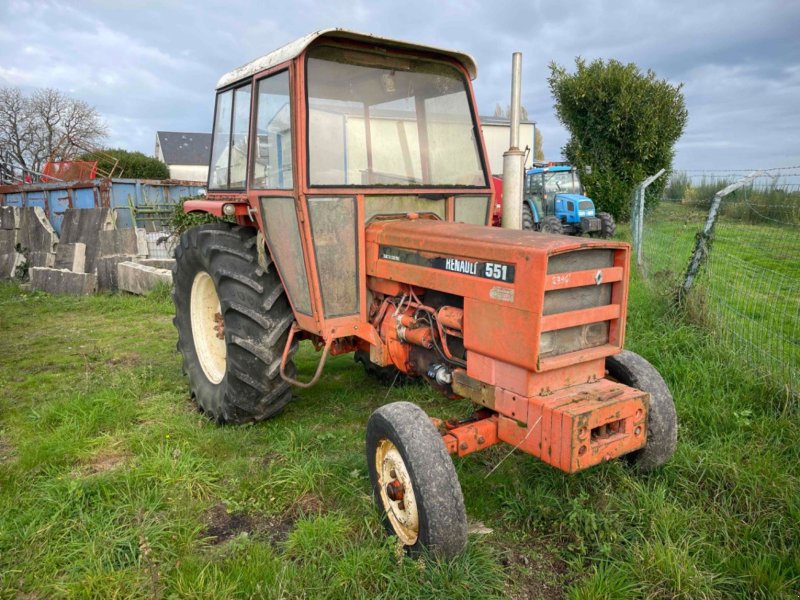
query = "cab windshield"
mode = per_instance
[
  {"x": 561, "y": 182},
  {"x": 382, "y": 120}
]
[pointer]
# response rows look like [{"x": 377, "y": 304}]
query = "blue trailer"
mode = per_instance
[{"x": 143, "y": 203}]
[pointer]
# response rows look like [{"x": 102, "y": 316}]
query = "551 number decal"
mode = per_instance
[{"x": 495, "y": 271}]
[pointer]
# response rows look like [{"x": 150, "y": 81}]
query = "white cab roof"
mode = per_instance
[{"x": 292, "y": 49}]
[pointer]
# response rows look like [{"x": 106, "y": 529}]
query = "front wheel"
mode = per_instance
[
  {"x": 414, "y": 482},
  {"x": 662, "y": 420},
  {"x": 551, "y": 224}
]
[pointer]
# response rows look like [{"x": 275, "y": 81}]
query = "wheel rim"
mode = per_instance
[
  {"x": 397, "y": 492},
  {"x": 208, "y": 328}
]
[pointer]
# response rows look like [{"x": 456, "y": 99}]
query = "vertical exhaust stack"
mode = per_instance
[{"x": 514, "y": 158}]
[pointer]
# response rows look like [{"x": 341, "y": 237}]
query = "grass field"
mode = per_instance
[
  {"x": 749, "y": 290},
  {"x": 112, "y": 485}
]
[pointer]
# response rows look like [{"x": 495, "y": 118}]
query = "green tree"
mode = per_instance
[
  {"x": 623, "y": 124},
  {"x": 132, "y": 165}
]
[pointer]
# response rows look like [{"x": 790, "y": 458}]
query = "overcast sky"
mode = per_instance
[{"x": 152, "y": 65}]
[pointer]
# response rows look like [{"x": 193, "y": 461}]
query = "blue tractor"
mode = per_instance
[{"x": 554, "y": 202}]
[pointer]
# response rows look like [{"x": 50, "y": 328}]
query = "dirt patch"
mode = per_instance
[
  {"x": 223, "y": 526},
  {"x": 538, "y": 573},
  {"x": 102, "y": 462},
  {"x": 126, "y": 359}
]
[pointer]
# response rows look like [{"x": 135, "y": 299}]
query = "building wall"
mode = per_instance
[
  {"x": 496, "y": 138},
  {"x": 189, "y": 172}
]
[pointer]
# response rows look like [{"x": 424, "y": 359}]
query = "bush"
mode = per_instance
[
  {"x": 623, "y": 124},
  {"x": 678, "y": 186},
  {"x": 133, "y": 165},
  {"x": 181, "y": 221}
]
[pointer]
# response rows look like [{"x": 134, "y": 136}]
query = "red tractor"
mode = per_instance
[{"x": 355, "y": 170}]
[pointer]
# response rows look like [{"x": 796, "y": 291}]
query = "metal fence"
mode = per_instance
[{"x": 726, "y": 245}]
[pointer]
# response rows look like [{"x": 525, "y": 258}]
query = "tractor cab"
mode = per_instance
[
  {"x": 336, "y": 130},
  {"x": 554, "y": 202}
]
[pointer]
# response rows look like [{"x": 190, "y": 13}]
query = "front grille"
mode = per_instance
[
  {"x": 581, "y": 260},
  {"x": 569, "y": 322}
]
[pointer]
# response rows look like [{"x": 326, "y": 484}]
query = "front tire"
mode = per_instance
[
  {"x": 414, "y": 482},
  {"x": 232, "y": 318},
  {"x": 551, "y": 224},
  {"x": 662, "y": 420}
]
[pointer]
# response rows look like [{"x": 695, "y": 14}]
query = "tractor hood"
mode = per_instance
[
  {"x": 516, "y": 285},
  {"x": 574, "y": 197}
]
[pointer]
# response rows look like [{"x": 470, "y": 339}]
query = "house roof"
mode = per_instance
[
  {"x": 185, "y": 148},
  {"x": 293, "y": 49}
]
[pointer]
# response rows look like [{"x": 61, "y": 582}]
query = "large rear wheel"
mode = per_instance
[
  {"x": 608, "y": 227},
  {"x": 414, "y": 482},
  {"x": 527, "y": 217},
  {"x": 233, "y": 318}
]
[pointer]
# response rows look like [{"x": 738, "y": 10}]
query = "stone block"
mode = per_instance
[
  {"x": 118, "y": 241},
  {"x": 140, "y": 279},
  {"x": 84, "y": 225},
  {"x": 41, "y": 259},
  {"x": 71, "y": 257},
  {"x": 107, "y": 271},
  {"x": 158, "y": 263},
  {"x": 9, "y": 217},
  {"x": 141, "y": 242},
  {"x": 8, "y": 241},
  {"x": 60, "y": 281},
  {"x": 35, "y": 232}
]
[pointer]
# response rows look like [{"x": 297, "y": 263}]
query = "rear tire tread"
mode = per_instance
[{"x": 256, "y": 324}]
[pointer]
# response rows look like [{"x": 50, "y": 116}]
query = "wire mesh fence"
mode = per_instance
[{"x": 746, "y": 289}]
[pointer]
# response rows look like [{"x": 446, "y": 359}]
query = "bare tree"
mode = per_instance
[{"x": 47, "y": 125}]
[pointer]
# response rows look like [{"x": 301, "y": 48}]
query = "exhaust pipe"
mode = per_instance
[{"x": 514, "y": 158}]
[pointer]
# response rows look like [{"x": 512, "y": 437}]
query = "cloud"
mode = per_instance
[{"x": 153, "y": 65}]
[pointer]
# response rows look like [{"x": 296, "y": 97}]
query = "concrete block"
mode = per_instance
[
  {"x": 8, "y": 241},
  {"x": 84, "y": 225},
  {"x": 42, "y": 259},
  {"x": 60, "y": 281},
  {"x": 107, "y": 271},
  {"x": 141, "y": 242},
  {"x": 117, "y": 241},
  {"x": 9, "y": 263},
  {"x": 35, "y": 232},
  {"x": 140, "y": 279},
  {"x": 9, "y": 217},
  {"x": 158, "y": 263},
  {"x": 71, "y": 257}
]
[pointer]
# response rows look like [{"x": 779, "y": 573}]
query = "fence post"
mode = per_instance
[
  {"x": 703, "y": 240},
  {"x": 637, "y": 225}
]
